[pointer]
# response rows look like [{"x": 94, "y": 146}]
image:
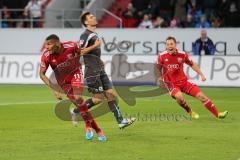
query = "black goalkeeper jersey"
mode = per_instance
[{"x": 92, "y": 60}]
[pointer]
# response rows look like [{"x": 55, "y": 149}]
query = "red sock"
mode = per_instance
[
  {"x": 95, "y": 126},
  {"x": 85, "y": 115},
  {"x": 211, "y": 107}
]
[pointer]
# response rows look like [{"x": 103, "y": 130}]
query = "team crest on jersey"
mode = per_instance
[
  {"x": 180, "y": 60},
  {"x": 81, "y": 41},
  {"x": 166, "y": 60},
  {"x": 70, "y": 56}
]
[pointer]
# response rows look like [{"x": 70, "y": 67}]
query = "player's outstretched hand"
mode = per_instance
[
  {"x": 58, "y": 95},
  {"x": 203, "y": 78},
  {"x": 161, "y": 84}
]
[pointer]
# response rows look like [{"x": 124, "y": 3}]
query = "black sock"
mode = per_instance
[
  {"x": 76, "y": 110},
  {"x": 115, "y": 109},
  {"x": 89, "y": 103}
]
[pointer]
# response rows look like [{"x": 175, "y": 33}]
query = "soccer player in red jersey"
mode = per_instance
[
  {"x": 170, "y": 72},
  {"x": 64, "y": 60}
]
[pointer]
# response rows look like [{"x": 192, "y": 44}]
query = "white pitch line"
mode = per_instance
[
  {"x": 138, "y": 99},
  {"x": 26, "y": 103}
]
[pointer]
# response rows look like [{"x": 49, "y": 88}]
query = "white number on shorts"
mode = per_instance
[{"x": 77, "y": 76}]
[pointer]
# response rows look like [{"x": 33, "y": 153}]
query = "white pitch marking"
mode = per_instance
[{"x": 27, "y": 103}]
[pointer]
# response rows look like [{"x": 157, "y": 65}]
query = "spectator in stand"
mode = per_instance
[
  {"x": 128, "y": 17},
  {"x": 6, "y": 14},
  {"x": 159, "y": 22},
  {"x": 221, "y": 11},
  {"x": 34, "y": 11},
  {"x": 203, "y": 23},
  {"x": 130, "y": 8},
  {"x": 180, "y": 11},
  {"x": 189, "y": 22},
  {"x": 174, "y": 23},
  {"x": 215, "y": 21},
  {"x": 232, "y": 13},
  {"x": 191, "y": 13},
  {"x": 166, "y": 8},
  {"x": 209, "y": 7},
  {"x": 204, "y": 45},
  {"x": 152, "y": 8},
  {"x": 146, "y": 22}
]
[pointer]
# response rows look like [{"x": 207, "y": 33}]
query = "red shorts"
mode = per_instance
[
  {"x": 185, "y": 87},
  {"x": 73, "y": 85}
]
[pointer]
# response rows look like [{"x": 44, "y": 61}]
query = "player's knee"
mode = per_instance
[
  {"x": 110, "y": 94},
  {"x": 179, "y": 98},
  {"x": 201, "y": 97},
  {"x": 78, "y": 99},
  {"x": 97, "y": 100}
]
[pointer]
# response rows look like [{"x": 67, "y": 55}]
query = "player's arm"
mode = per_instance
[
  {"x": 97, "y": 43},
  {"x": 45, "y": 79},
  {"x": 197, "y": 69},
  {"x": 159, "y": 75},
  {"x": 194, "y": 66},
  {"x": 26, "y": 9},
  {"x": 42, "y": 74},
  {"x": 158, "y": 68}
]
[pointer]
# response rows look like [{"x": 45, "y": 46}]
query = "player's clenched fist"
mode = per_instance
[
  {"x": 203, "y": 78},
  {"x": 58, "y": 95}
]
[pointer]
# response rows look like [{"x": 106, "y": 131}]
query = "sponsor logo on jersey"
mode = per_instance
[
  {"x": 173, "y": 66},
  {"x": 70, "y": 56},
  {"x": 81, "y": 42},
  {"x": 180, "y": 60}
]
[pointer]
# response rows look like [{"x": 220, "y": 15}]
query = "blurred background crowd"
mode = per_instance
[
  {"x": 144, "y": 13},
  {"x": 182, "y": 13}
]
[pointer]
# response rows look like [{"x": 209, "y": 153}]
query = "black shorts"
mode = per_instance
[{"x": 98, "y": 82}]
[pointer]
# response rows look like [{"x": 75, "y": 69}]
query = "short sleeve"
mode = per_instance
[
  {"x": 82, "y": 41},
  {"x": 188, "y": 60},
  {"x": 87, "y": 39},
  {"x": 76, "y": 48},
  {"x": 44, "y": 63}
]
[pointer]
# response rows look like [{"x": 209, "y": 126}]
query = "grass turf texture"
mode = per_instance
[{"x": 32, "y": 131}]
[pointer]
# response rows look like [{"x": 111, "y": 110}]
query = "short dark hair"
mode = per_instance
[
  {"x": 84, "y": 17},
  {"x": 171, "y": 38},
  {"x": 52, "y": 37}
]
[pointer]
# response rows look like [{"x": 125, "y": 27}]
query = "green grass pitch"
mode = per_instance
[{"x": 29, "y": 129}]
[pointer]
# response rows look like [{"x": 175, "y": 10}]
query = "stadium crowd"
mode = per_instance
[
  {"x": 181, "y": 13},
  {"x": 22, "y": 13},
  {"x": 144, "y": 13}
]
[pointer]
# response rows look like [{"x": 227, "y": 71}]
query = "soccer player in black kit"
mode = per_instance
[{"x": 97, "y": 80}]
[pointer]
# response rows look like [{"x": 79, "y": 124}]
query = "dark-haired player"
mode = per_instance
[
  {"x": 97, "y": 80},
  {"x": 64, "y": 60},
  {"x": 170, "y": 71}
]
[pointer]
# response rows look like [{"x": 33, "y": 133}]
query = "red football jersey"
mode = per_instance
[
  {"x": 171, "y": 66},
  {"x": 64, "y": 64}
]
